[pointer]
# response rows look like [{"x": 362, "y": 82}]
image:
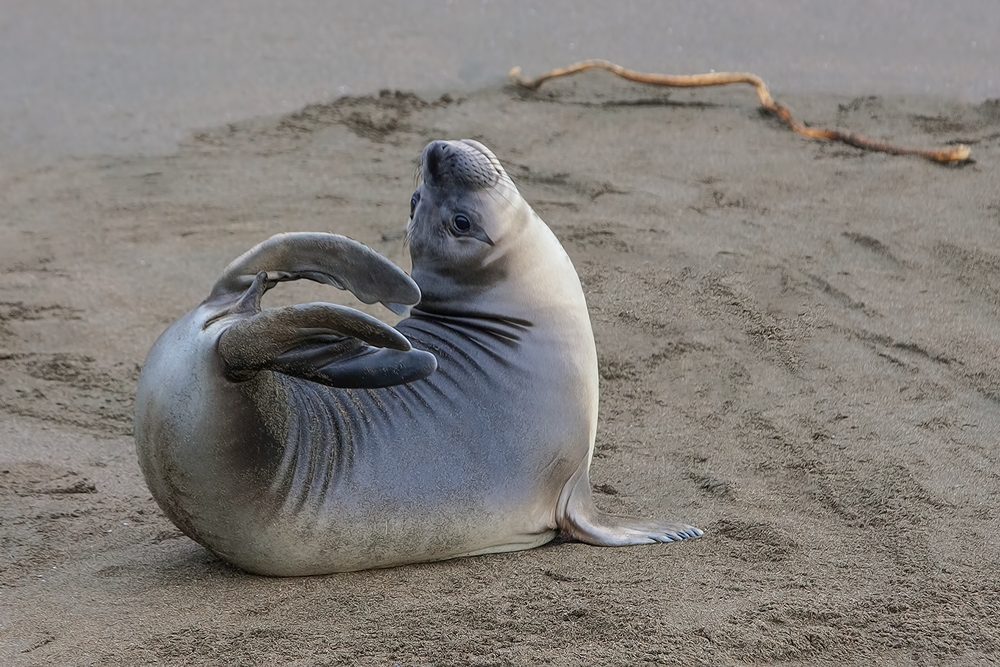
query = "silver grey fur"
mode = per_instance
[{"x": 253, "y": 446}]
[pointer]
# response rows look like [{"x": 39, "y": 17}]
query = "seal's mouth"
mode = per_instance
[{"x": 466, "y": 163}]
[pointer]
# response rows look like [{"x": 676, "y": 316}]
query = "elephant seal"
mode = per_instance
[{"x": 313, "y": 438}]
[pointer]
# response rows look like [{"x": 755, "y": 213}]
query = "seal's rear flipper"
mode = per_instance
[
  {"x": 325, "y": 258},
  {"x": 580, "y": 519},
  {"x": 333, "y": 345}
]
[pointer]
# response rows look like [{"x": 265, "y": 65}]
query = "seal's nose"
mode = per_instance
[
  {"x": 459, "y": 162},
  {"x": 431, "y": 159}
]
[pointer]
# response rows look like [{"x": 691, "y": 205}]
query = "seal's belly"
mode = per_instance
[{"x": 470, "y": 460}]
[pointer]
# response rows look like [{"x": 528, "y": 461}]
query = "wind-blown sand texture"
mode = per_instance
[{"x": 798, "y": 347}]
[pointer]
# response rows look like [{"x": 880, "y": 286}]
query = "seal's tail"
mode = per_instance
[
  {"x": 320, "y": 342},
  {"x": 325, "y": 258}
]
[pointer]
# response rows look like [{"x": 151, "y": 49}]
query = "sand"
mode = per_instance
[{"x": 798, "y": 351}]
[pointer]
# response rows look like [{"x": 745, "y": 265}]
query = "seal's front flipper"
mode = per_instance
[
  {"x": 609, "y": 530},
  {"x": 580, "y": 519},
  {"x": 333, "y": 345},
  {"x": 325, "y": 258}
]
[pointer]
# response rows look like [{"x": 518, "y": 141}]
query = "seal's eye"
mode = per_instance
[
  {"x": 462, "y": 222},
  {"x": 413, "y": 203}
]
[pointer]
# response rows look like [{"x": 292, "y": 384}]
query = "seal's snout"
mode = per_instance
[
  {"x": 433, "y": 155},
  {"x": 467, "y": 163}
]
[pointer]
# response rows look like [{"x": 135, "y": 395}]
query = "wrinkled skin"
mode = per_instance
[{"x": 314, "y": 439}]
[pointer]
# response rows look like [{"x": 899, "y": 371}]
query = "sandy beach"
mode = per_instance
[{"x": 798, "y": 351}]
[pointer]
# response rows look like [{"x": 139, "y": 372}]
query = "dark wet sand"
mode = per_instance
[{"x": 798, "y": 349}]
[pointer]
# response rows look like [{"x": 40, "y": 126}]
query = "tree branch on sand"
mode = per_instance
[{"x": 950, "y": 154}]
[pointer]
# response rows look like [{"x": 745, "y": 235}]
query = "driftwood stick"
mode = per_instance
[{"x": 959, "y": 153}]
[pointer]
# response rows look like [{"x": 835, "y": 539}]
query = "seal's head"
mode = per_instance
[{"x": 466, "y": 218}]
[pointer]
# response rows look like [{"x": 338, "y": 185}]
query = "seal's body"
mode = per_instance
[{"x": 313, "y": 439}]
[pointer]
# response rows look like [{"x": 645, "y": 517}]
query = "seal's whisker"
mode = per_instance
[
  {"x": 503, "y": 194},
  {"x": 497, "y": 196}
]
